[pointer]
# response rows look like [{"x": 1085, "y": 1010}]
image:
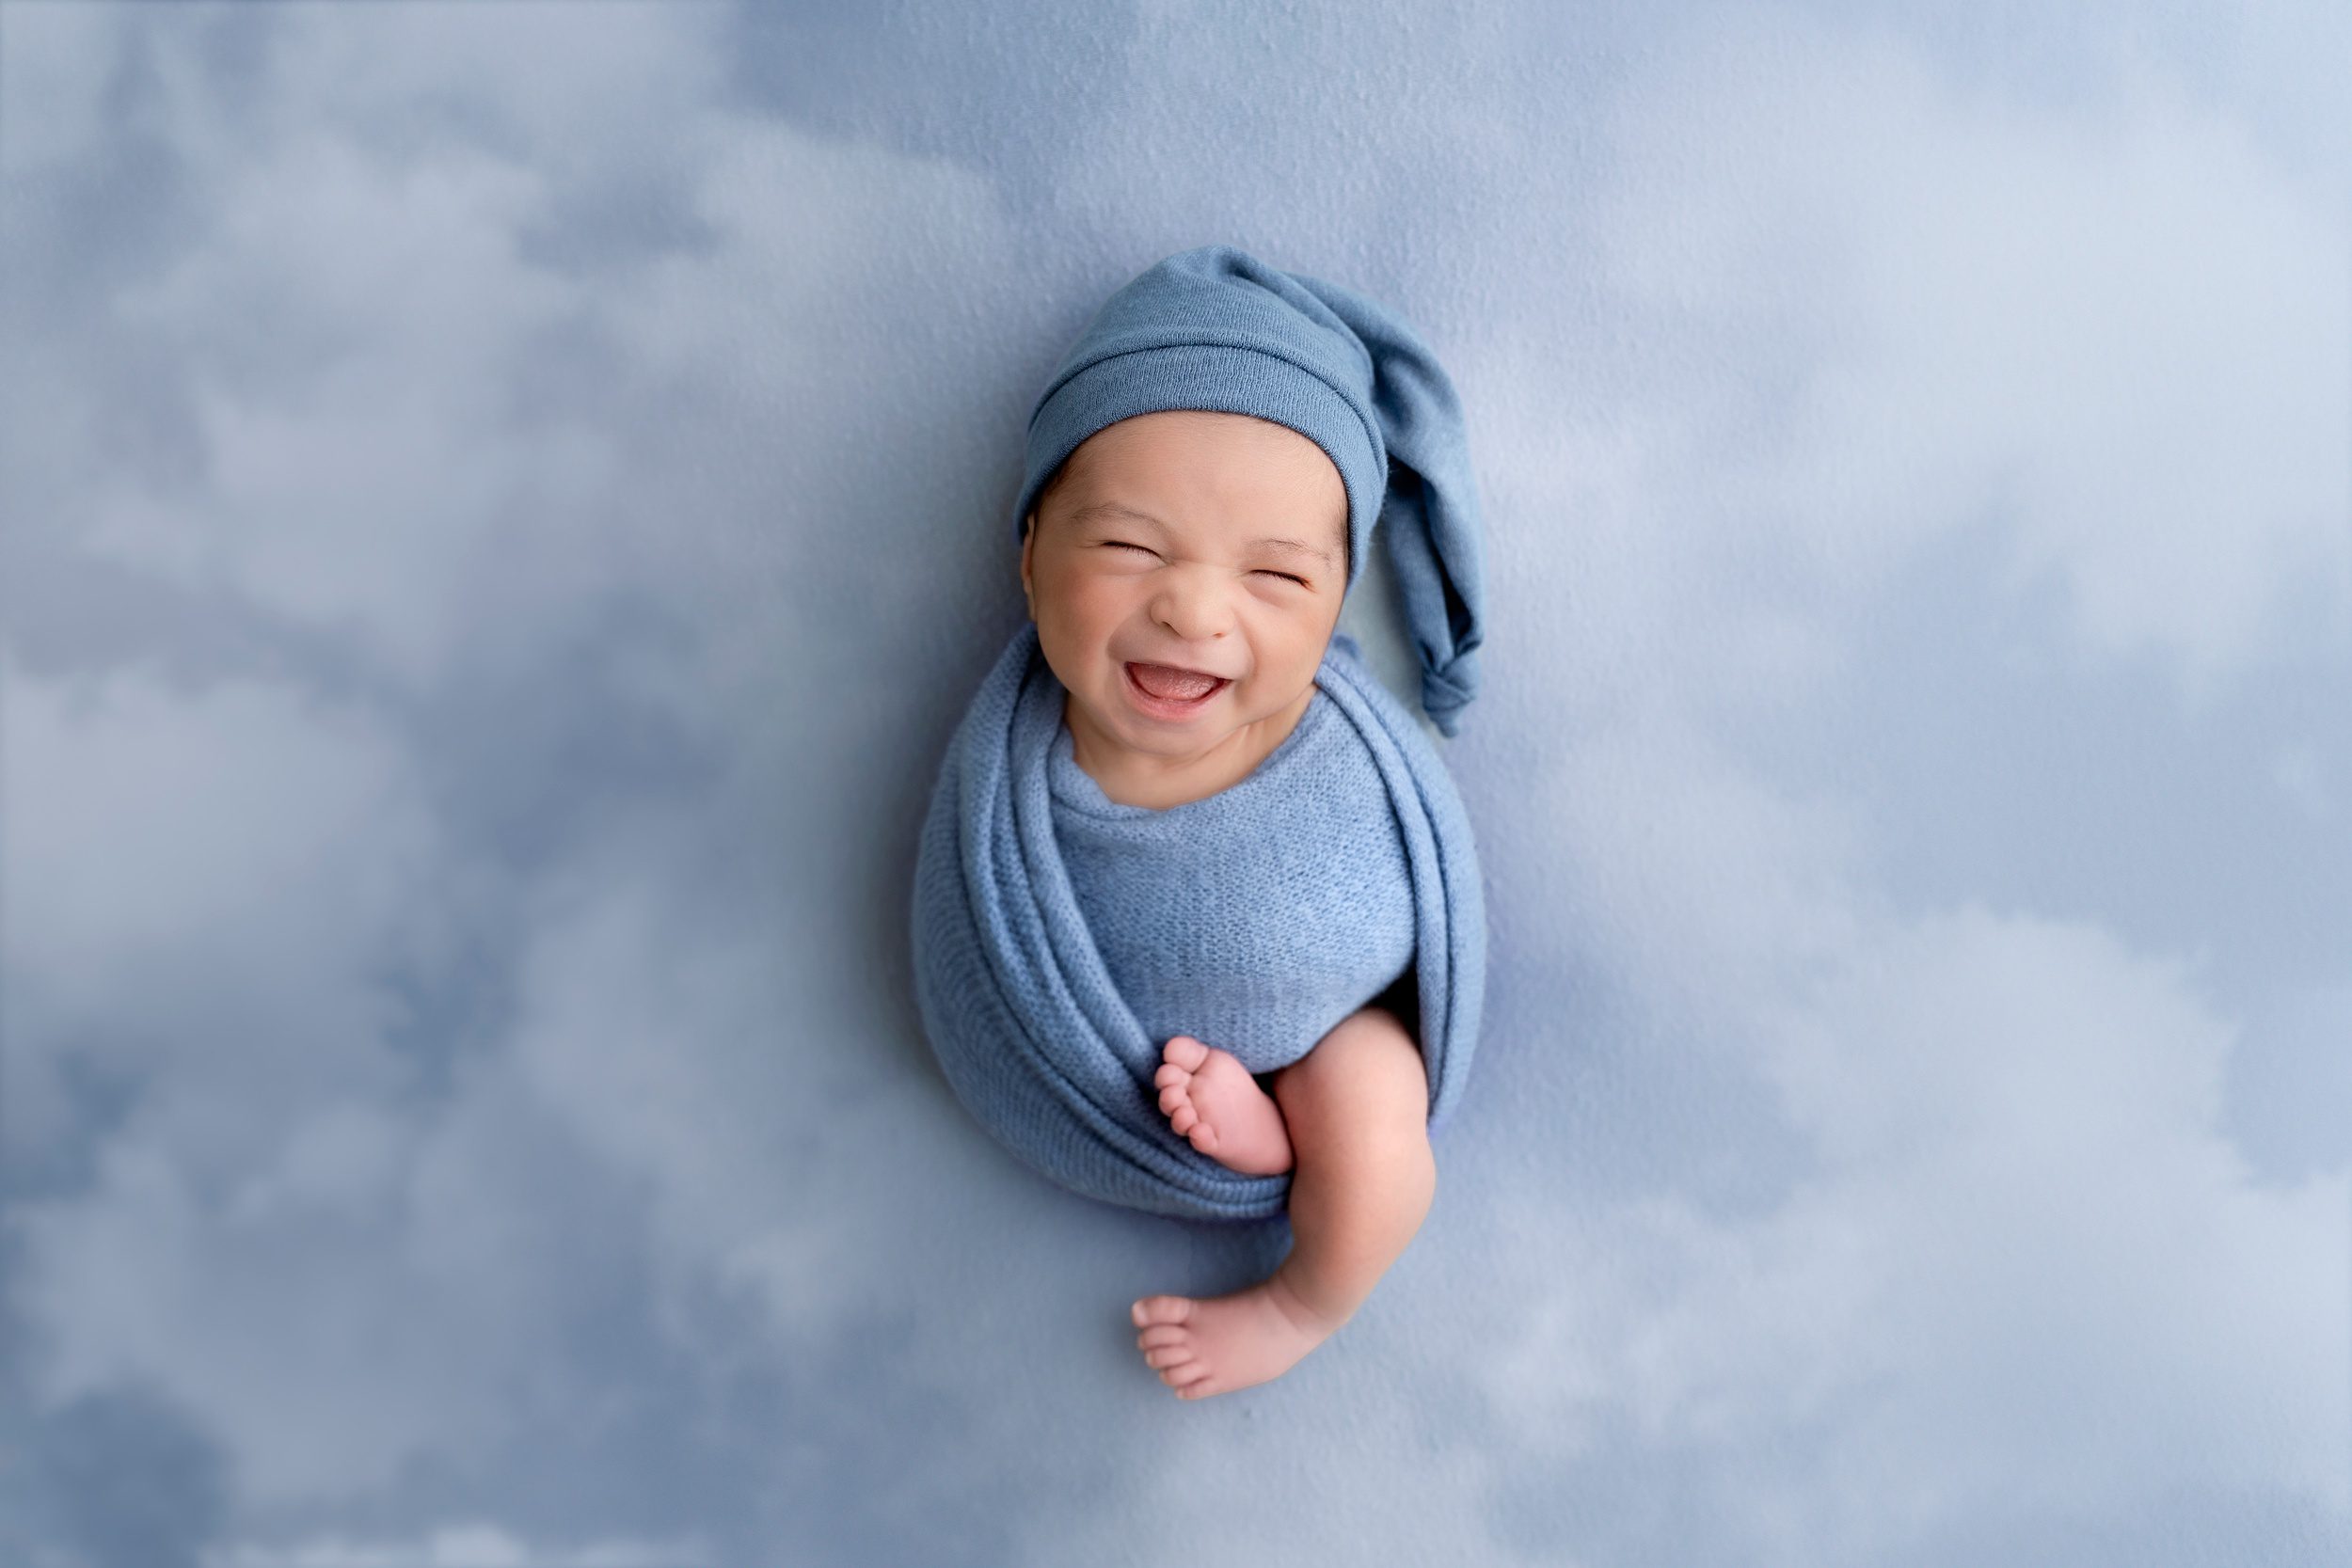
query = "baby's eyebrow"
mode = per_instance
[{"x": 1096, "y": 511}]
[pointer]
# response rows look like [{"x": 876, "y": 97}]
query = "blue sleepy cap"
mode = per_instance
[{"x": 1216, "y": 328}]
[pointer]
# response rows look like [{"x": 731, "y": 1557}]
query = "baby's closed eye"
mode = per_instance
[{"x": 1262, "y": 571}]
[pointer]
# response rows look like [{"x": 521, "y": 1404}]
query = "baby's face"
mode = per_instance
[{"x": 1209, "y": 542}]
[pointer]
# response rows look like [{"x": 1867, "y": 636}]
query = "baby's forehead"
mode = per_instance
[
  {"x": 1279, "y": 538},
  {"x": 1103, "y": 494}
]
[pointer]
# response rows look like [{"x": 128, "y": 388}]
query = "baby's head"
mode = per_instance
[
  {"x": 1215, "y": 407},
  {"x": 1202, "y": 541}
]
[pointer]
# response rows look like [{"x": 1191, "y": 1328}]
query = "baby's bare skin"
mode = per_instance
[
  {"x": 1213, "y": 1100},
  {"x": 1352, "y": 1117}
]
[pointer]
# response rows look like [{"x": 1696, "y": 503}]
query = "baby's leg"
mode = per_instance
[{"x": 1357, "y": 1107}]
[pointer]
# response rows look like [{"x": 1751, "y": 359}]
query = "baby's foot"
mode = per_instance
[
  {"x": 1210, "y": 1099},
  {"x": 1227, "y": 1342}
]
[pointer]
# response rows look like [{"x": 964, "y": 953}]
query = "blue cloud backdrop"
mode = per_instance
[{"x": 507, "y": 504}]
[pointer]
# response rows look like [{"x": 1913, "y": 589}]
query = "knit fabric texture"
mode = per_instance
[
  {"x": 1262, "y": 914},
  {"x": 1182, "y": 946},
  {"x": 1216, "y": 328}
]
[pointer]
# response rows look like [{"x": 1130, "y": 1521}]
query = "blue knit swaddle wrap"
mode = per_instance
[
  {"x": 1035, "y": 1035},
  {"x": 1186, "y": 952},
  {"x": 1060, "y": 938}
]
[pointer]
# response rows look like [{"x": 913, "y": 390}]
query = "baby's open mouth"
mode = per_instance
[{"x": 1170, "y": 685}]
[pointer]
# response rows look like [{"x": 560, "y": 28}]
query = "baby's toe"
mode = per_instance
[
  {"x": 1149, "y": 1310},
  {"x": 1181, "y": 1378},
  {"x": 1184, "y": 1052}
]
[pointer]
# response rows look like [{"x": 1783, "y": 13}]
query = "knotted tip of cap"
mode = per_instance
[{"x": 1447, "y": 690}]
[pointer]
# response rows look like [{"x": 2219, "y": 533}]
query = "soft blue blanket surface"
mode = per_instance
[{"x": 1060, "y": 938}]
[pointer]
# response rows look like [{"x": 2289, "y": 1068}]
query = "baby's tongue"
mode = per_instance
[{"x": 1174, "y": 685}]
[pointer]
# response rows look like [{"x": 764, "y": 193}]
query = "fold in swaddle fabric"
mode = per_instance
[{"x": 1032, "y": 960}]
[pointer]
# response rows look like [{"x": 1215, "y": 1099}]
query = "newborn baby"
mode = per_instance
[{"x": 1185, "y": 571}]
